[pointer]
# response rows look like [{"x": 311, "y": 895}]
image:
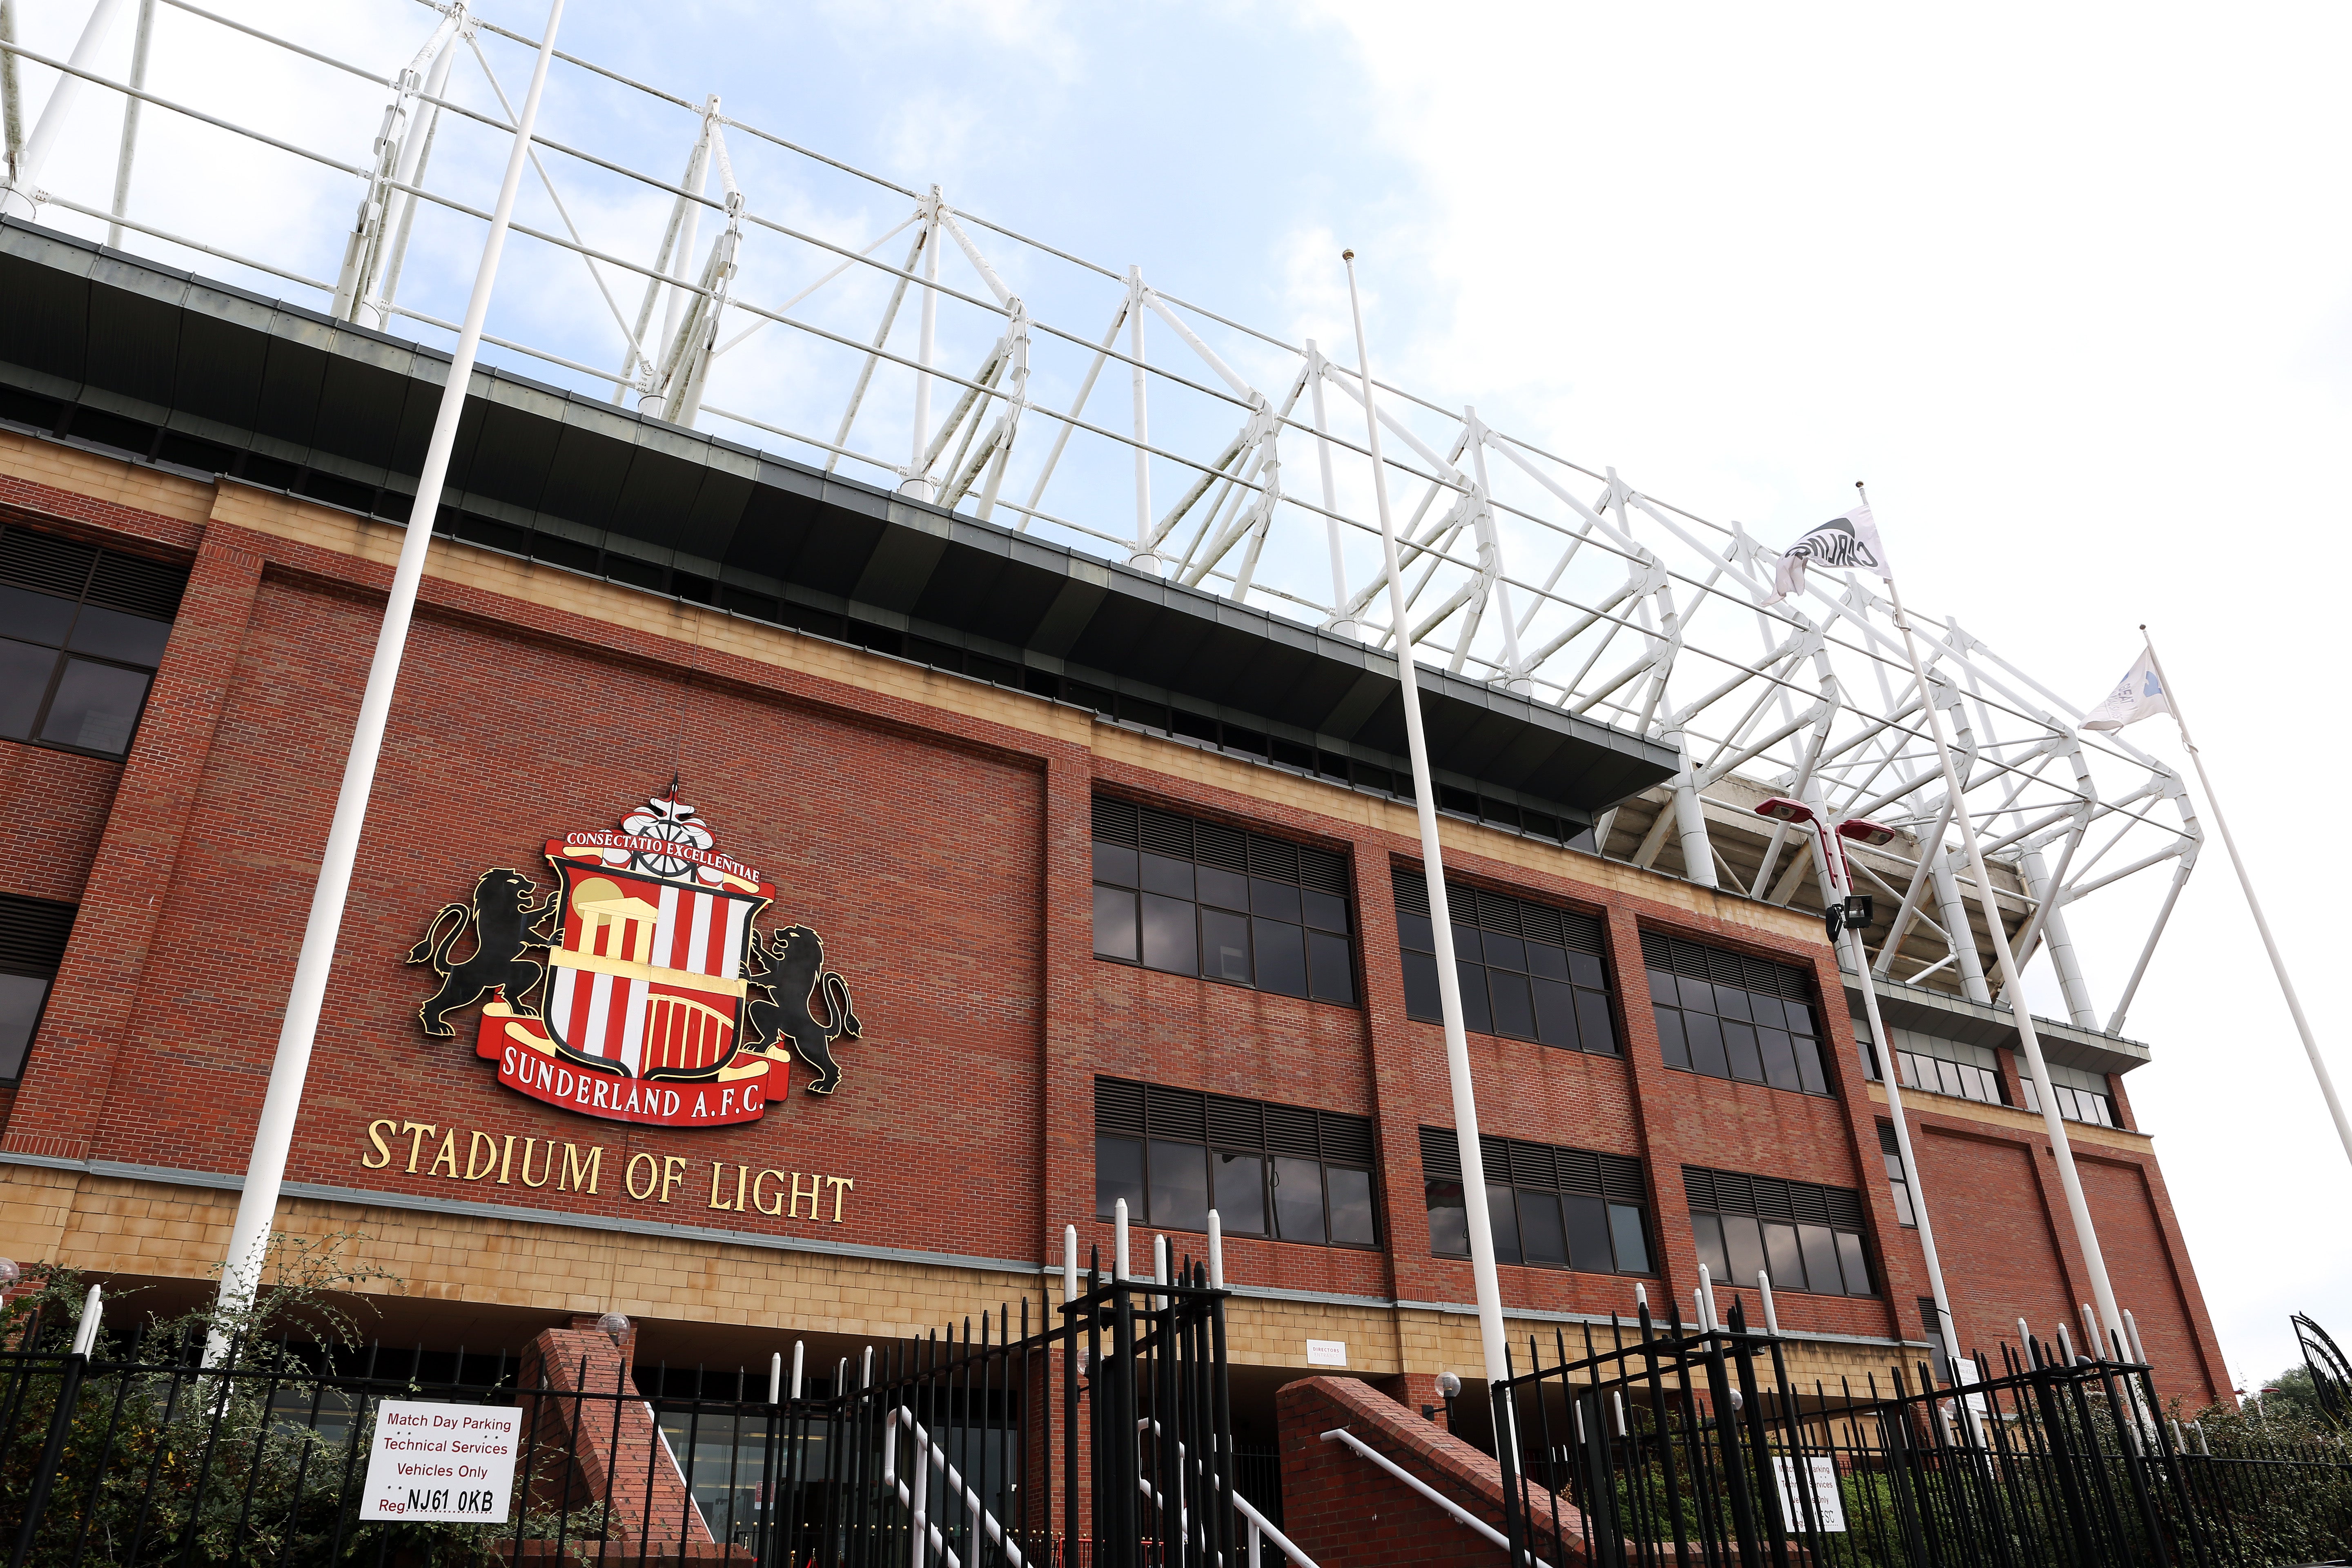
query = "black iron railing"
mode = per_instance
[
  {"x": 1667, "y": 1444},
  {"x": 1102, "y": 1437}
]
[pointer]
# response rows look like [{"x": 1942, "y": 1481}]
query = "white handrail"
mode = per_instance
[
  {"x": 1259, "y": 1524},
  {"x": 939, "y": 1461},
  {"x": 1343, "y": 1435}
]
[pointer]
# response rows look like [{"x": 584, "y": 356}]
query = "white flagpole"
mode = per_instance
[
  {"x": 2254, "y": 904},
  {"x": 264, "y": 1171},
  {"x": 2086, "y": 1236},
  {"x": 1449, "y": 980},
  {"x": 1890, "y": 1080}
]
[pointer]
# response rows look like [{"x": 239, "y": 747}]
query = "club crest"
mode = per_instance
[{"x": 639, "y": 988}]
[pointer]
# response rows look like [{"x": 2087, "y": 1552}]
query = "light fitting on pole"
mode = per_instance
[{"x": 615, "y": 1325}]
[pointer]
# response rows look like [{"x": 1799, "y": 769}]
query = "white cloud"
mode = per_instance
[{"x": 2064, "y": 286}]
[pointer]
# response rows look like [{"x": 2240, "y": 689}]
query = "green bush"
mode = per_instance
[{"x": 156, "y": 1463}]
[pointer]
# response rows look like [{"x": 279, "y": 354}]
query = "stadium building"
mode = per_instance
[{"x": 786, "y": 904}]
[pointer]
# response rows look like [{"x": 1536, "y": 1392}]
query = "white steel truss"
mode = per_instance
[{"x": 1550, "y": 579}]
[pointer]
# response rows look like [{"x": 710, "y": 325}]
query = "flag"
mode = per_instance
[
  {"x": 2138, "y": 695},
  {"x": 1843, "y": 543}
]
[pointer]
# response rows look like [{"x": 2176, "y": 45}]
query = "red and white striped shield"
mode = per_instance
[{"x": 647, "y": 972}]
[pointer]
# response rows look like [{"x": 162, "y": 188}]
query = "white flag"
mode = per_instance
[
  {"x": 2138, "y": 695},
  {"x": 1843, "y": 543}
]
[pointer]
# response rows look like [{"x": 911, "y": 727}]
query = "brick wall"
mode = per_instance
[{"x": 936, "y": 832}]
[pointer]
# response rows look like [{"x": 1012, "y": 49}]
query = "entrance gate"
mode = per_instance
[{"x": 998, "y": 1441}]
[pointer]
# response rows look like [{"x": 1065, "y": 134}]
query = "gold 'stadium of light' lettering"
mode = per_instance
[{"x": 468, "y": 1155}]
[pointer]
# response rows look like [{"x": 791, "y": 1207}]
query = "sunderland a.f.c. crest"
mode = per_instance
[{"x": 640, "y": 988}]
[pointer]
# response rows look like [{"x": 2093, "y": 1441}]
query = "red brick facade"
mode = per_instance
[{"x": 945, "y": 857}]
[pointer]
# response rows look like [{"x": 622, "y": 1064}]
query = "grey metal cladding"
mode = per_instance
[{"x": 117, "y": 332}]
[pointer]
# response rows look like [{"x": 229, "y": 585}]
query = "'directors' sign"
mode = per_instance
[{"x": 444, "y": 1463}]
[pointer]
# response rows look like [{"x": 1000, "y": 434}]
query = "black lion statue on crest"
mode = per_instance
[
  {"x": 794, "y": 960},
  {"x": 501, "y": 918}
]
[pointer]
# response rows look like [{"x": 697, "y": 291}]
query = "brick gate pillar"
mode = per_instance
[{"x": 593, "y": 1444}]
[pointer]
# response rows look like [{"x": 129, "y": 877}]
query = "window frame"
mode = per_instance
[
  {"x": 64, "y": 654},
  {"x": 1481, "y": 905},
  {"x": 1314, "y": 936},
  {"x": 1145, "y": 1135},
  {"x": 1663, "y": 954},
  {"x": 1819, "y": 1200},
  {"x": 1498, "y": 1157},
  {"x": 2070, "y": 1097},
  {"x": 23, "y": 963},
  {"x": 1898, "y": 1178},
  {"x": 1956, "y": 1085}
]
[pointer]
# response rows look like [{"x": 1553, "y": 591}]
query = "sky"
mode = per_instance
[{"x": 2067, "y": 286}]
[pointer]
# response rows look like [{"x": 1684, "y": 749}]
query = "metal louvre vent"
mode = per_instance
[
  {"x": 1321, "y": 872},
  {"x": 130, "y": 582},
  {"x": 1542, "y": 1166},
  {"x": 44, "y": 564},
  {"x": 1411, "y": 890},
  {"x": 1530, "y": 1165},
  {"x": 1132, "y": 1110},
  {"x": 1236, "y": 1123},
  {"x": 1500, "y": 912},
  {"x": 1621, "y": 1178},
  {"x": 1166, "y": 835},
  {"x": 1273, "y": 857},
  {"x": 1677, "y": 956},
  {"x": 1228, "y": 847},
  {"x": 1213, "y": 844},
  {"x": 1886, "y": 1144},
  {"x": 1347, "y": 1138},
  {"x": 1119, "y": 1106},
  {"x": 138, "y": 585},
  {"x": 1115, "y": 820},
  {"x": 1292, "y": 1131},
  {"x": 1177, "y": 1113},
  {"x": 1770, "y": 1197},
  {"x": 33, "y": 934}
]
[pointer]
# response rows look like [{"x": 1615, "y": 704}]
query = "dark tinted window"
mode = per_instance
[
  {"x": 1805, "y": 1238},
  {"x": 33, "y": 934},
  {"x": 81, "y": 631},
  {"x": 1282, "y": 1171},
  {"x": 1550, "y": 1207},
  {"x": 1198, "y": 898},
  {"x": 1528, "y": 970},
  {"x": 1729, "y": 1015}
]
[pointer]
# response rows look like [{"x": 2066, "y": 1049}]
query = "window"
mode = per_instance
[
  {"x": 1938, "y": 1066},
  {"x": 1898, "y": 1180},
  {"x": 1806, "y": 1237},
  {"x": 81, "y": 631},
  {"x": 1728, "y": 1015},
  {"x": 1281, "y": 1172},
  {"x": 1195, "y": 898},
  {"x": 1529, "y": 971},
  {"x": 2082, "y": 1095},
  {"x": 1551, "y": 1208},
  {"x": 32, "y": 945}
]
